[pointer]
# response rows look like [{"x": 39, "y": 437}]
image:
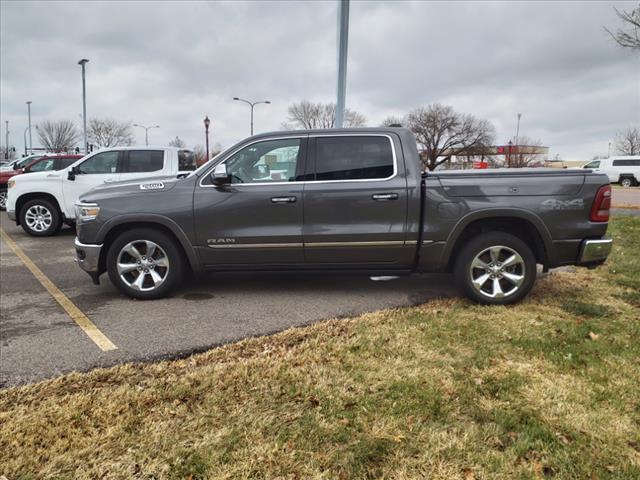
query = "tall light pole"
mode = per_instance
[
  {"x": 30, "y": 139},
  {"x": 146, "y": 131},
  {"x": 24, "y": 137},
  {"x": 609, "y": 151},
  {"x": 207, "y": 122},
  {"x": 7, "y": 138},
  {"x": 251, "y": 104},
  {"x": 343, "y": 40},
  {"x": 83, "y": 62},
  {"x": 518, "y": 129}
]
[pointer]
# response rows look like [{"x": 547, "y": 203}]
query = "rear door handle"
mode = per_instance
[
  {"x": 383, "y": 197},
  {"x": 283, "y": 199}
]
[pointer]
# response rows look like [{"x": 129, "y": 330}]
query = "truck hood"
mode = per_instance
[
  {"x": 139, "y": 186},
  {"x": 46, "y": 176}
]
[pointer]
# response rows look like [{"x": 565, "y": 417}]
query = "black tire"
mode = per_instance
[
  {"x": 172, "y": 276},
  {"x": 506, "y": 245},
  {"x": 627, "y": 182},
  {"x": 3, "y": 199},
  {"x": 40, "y": 206}
]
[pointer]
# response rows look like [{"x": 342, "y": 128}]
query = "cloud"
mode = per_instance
[{"x": 172, "y": 63}]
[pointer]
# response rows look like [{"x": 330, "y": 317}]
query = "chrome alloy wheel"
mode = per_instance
[
  {"x": 3, "y": 199},
  {"x": 497, "y": 272},
  {"x": 143, "y": 265},
  {"x": 38, "y": 218}
]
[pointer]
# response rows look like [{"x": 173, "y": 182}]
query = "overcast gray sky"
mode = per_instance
[{"x": 172, "y": 63}]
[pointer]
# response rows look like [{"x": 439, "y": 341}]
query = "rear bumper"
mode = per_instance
[
  {"x": 594, "y": 252},
  {"x": 88, "y": 258}
]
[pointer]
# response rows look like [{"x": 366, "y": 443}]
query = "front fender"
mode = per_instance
[{"x": 137, "y": 218}]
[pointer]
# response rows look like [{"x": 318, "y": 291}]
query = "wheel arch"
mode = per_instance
[
  {"x": 521, "y": 223},
  {"x": 114, "y": 227},
  {"x": 27, "y": 197}
]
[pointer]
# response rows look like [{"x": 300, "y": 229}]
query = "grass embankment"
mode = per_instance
[{"x": 548, "y": 388}]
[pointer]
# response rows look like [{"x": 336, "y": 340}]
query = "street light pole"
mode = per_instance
[
  {"x": 518, "y": 129},
  {"x": 343, "y": 39},
  {"x": 24, "y": 137},
  {"x": 30, "y": 138},
  {"x": 609, "y": 151},
  {"x": 146, "y": 131},
  {"x": 83, "y": 62},
  {"x": 7, "y": 138},
  {"x": 251, "y": 104},
  {"x": 206, "y": 131}
]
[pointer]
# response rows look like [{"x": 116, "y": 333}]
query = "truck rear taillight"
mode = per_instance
[{"x": 601, "y": 205}]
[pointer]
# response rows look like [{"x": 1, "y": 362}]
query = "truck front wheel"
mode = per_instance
[
  {"x": 40, "y": 218},
  {"x": 496, "y": 268},
  {"x": 145, "y": 263}
]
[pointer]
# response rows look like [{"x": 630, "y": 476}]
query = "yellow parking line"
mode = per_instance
[{"x": 74, "y": 312}]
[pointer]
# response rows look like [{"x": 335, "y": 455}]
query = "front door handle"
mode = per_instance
[
  {"x": 283, "y": 199},
  {"x": 383, "y": 197}
]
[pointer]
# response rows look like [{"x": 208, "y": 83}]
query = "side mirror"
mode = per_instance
[
  {"x": 219, "y": 176},
  {"x": 73, "y": 172}
]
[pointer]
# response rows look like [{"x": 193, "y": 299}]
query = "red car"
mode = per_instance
[{"x": 57, "y": 162}]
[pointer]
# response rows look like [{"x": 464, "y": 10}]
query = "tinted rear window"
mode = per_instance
[
  {"x": 626, "y": 163},
  {"x": 146, "y": 160},
  {"x": 353, "y": 158}
]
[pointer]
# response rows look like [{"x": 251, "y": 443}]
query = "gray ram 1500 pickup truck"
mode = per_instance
[{"x": 344, "y": 200}]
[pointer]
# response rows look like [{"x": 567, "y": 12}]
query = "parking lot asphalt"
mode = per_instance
[{"x": 39, "y": 339}]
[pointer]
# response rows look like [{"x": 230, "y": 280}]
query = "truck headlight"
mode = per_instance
[
  {"x": 86, "y": 212},
  {"x": 11, "y": 183}
]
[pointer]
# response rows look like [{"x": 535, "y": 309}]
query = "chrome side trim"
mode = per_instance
[
  {"x": 255, "y": 245},
  {"x": 387, "y": 243},
  {"x": 393, "y": 152}
]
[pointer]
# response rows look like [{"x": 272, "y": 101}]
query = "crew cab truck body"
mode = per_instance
[
  {"x": 41, "y": 201},
  {"x": 344, "y": 200}
]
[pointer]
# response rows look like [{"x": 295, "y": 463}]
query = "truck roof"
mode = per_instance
[{"x": 334, "y": 131}]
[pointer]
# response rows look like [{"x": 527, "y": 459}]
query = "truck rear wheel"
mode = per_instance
[
  {"x": 3, "y": 199},
  {"x": 40, "y": 218},
  {"x": 496, "y": 268},
  {"x": 627, "y": 182},
  {"x": 145, "y": 263}
]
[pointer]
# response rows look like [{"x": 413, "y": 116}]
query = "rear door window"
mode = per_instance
[
  {"x": 354, "y": 158},
  {"x": 145, "y": 161}
]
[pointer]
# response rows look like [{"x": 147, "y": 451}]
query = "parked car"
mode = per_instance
[
  {"x": 20, "y": 162},
  {"x": 344, "y": 200},
  {"x": 622, "y": 170},
  {"x": 39, "y": 164},
  {"x": 41, "y": 202}
]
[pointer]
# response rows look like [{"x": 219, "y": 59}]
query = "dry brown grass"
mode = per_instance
[{"x": 547, "y": 388}]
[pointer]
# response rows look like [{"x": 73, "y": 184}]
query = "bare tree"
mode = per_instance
[
  {"x": 106, "y": 132},
  {"x": 627, "y": 142},
  {"x": 200, "y": 153},
  {"x": 526, "y": 153},
  {"x": 308, "y": 115},
  {"x": 177, "y": 142},
  {"x": 443, "y": 132},
  {"x": 629, "y": 37},
  {"x": 58, "y": 136},
  {"x": 392, "y": 120}
]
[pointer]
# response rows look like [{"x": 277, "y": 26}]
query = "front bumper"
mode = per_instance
[
  {"x": 11, "y": 215},
  {"x": 594, "y": 252},
  {"x": 88, "y": 257}
]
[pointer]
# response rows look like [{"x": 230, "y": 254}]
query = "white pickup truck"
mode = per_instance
[
  {"x": 622, "y": 170},
  {"x": 42, "y": 201}
]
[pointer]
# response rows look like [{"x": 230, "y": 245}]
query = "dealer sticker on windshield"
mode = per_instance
[{"x": 152, "y": 186}]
